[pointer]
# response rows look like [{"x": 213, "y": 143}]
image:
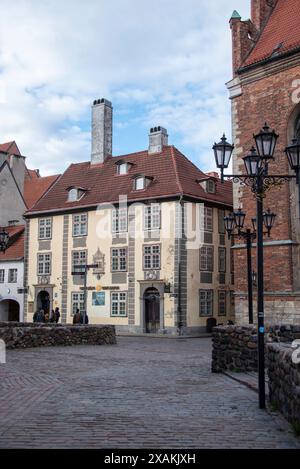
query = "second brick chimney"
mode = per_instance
[{"x": 261, "y": 11}]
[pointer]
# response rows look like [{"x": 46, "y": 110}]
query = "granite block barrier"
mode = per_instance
[
  {"x": 284, "y": 381},
  {"x": 235, "y": 347},
  {"x": 26, "y": 335}
]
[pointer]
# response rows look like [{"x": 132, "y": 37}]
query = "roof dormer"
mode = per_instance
[
  {"x": 123, "y": 167},
  {"x": 75, "y": 193},
  {"x": 141, "y": 182}
]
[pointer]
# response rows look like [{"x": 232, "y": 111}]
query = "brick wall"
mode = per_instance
[{"x": 267, "y": 94}]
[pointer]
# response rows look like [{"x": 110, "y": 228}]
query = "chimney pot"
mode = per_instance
[{"x": 158, "y": 138}]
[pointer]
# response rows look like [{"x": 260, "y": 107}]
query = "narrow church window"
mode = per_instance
[{"x": 297, "y": 127}]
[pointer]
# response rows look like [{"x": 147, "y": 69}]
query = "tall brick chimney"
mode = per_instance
[
  {"x": 102, "y": 114},
  {"x": 261, "y": 11}
]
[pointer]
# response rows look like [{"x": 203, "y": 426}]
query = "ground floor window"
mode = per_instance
[
  {"x": 77, "y": 302},
  {"x": 119, "y": 304},
  {"x": 222, "y": 303},
  {"x": 206, "y": 298}
]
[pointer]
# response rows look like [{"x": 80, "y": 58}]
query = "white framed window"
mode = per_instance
[
  {"x": 206, "y": 299},
  {"x": 73, "y": 195},
  {"x": 78, "y": 258},
  {"x": 211, "y": 186},
  {"x": 222, "y": 303},
  {"x": 222, "y": 260},
  {"x": 2, "y": 275},
  {"x": 151, "y": 257},
  {"x": 77, "y": 300},
  {"x": 206, "y": 218},
  {"x": 152, "y": 217},
  {"x": 119, "y": 220},
  {"x": 122, "y": 169},
  {"x": 12, "y": 275},
  {"x": 139, "y": 183},
  {"x": 207, "y": 259},
  {"x": 80, "y": 225},
  {"x": 44, "y": 264},
  {"x": 118, "y": 259},
  {"x": 45, "y": 228},
  {"x": 118, "y": 304}
]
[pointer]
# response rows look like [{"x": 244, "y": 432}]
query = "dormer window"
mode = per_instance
[
  {"x": 211, "y": 186},
  {"x": 75, "y": 194},
  {"x": 123, "y": 167},
  {"x": 141, "y": 182}
]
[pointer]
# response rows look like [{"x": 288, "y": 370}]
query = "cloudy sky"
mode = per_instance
[{"x": 161, "y": 62}]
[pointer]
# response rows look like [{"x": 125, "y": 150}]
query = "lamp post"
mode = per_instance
[
  {"x": 81, "y": 270},
  {"x": 236, "y": 221},
  {"x": 259, "y": 180},
  {"x": 4, "y": 238}
]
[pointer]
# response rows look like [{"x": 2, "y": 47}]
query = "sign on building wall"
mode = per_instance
[{"x": 98, "y": 298}]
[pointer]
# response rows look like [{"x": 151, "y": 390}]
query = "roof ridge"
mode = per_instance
[{"x": 176, "y": 169}]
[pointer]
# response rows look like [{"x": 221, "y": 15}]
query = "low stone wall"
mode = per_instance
[
  {"x": 19, "y": 335},
  {"x": 284, "y": 382},
  {"x": 235, "y": 347}
]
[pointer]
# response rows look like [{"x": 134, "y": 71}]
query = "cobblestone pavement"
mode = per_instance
[{"x": 141, "y": 393}]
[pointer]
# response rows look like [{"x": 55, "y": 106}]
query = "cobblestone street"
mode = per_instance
[{"x": 141, "y": 393}]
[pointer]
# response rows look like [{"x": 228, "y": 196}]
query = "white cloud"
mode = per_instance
[{"x": 160, "y": 62}]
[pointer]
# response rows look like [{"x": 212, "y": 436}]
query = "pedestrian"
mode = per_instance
[
  {"x": 56, "y": 315},
  {"x": 40, "y": 316},
  {"x": 46, "y": 317},
  {"x": 76, "y": 317},
  {"x": 52, "y": 316},
  {"x": 35, "y": 316},
  {"x": 84, "y": 319}
]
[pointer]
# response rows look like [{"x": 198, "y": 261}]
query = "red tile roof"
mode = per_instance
[
  {"x": 173, "y": 175},
  {"x": 32, "y": 174},
  {"x": 10, "y": 147},
  {"x": 15, "y": 250},
  {"x": 283, "y": 27},
  {"x": 36, "y": 187}
]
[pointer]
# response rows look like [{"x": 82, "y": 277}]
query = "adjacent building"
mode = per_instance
[
  {"x": 147, "y": 229},
  {"x": 266, "y": 88},
  {"x": 20, "y": 188}
]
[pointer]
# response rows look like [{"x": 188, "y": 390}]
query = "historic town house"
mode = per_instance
[
  {"x": 266, "y": 88},
  {"x": 150, "y": 228}
]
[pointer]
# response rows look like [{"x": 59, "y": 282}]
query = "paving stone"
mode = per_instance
[{"x": 140, "y": 393}]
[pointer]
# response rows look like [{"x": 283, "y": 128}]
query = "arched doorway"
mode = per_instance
[
  {"x": 152, "y": 310},
  {"x": 9, "y": 311},
  {"x": 43, "y": 301}
]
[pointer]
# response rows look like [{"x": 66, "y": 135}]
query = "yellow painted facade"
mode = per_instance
[{"x": 61, "y": 284}]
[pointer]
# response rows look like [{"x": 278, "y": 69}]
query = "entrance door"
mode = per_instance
[
  {"x": 152, "y": 311},
  {"x": 14, "y": 311},
  {"x": 9, "y": 311},
  {"x": 43, "y": 301}
]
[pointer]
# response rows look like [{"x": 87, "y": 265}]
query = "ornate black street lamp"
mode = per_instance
[
  {"x": 236, "y": 221},
  {"x": 260, "y": 182},
  {"x": 4, "y": 238}
]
